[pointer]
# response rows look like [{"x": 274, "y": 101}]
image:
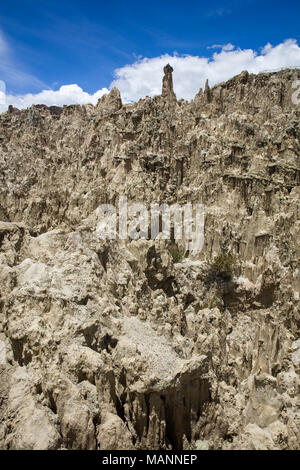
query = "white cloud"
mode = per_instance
[
  {"x": 67, "y": 94},
  {"x": 190, "y": 72},
  {"x": 144, "y": 76}
]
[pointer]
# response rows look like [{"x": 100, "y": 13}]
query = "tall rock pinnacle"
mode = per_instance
[{"x": 167, "y": 84}]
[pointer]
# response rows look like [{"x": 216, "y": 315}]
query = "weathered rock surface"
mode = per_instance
[
  {"x": 113, "y": 344},
  {"x": 167, "y": 85}
]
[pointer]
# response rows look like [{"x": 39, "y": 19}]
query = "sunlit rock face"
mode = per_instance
[{"x": 129, "y": 344}]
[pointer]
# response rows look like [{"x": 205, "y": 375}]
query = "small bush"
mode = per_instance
[
  {"x": 197, "y": 308},
  {"x": 222, "y": 268},
  {"x": 177, "y": 254},
  {"x": 209, "y": 303}
]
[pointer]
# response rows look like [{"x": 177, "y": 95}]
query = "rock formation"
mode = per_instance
[
  {"x": 131, "y": 344},
  {"x": 167, "y": 84}
]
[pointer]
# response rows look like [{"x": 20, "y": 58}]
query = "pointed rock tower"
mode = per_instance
[
  {"x": 207, "y": 91},
  {"x": 167, "y": 84}
]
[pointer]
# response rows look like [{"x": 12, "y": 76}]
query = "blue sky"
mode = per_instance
[{"x": 49, "y": 43}]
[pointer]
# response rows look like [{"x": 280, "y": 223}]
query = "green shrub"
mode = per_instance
[
  {"x": 177, "y": 254},
  {"x": 222, "y": 268},
  {"x": 210, "y": 303},
  {"x": 197, "y": 308}
]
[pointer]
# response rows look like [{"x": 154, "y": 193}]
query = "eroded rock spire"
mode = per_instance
[{"x": 167, "y": 84}]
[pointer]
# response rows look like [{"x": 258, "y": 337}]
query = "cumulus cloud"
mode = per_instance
[
  {"x": 190, "y": 72},
  {"x": 144, "y": 76},
  {"x": 67, "y": 94}
]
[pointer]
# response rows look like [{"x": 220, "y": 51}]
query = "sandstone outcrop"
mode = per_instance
[{"x": 123, "y": 344}]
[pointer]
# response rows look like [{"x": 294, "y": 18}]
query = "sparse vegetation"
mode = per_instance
[
  {"x": 177, "y": 254},
  {"x": 210, "y": 303},
  {"x": 222, "y": 268},
  {"x": 197, "y": 308}
]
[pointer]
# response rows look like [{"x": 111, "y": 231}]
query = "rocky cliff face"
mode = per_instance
[{"x": 122, "y": 344}]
